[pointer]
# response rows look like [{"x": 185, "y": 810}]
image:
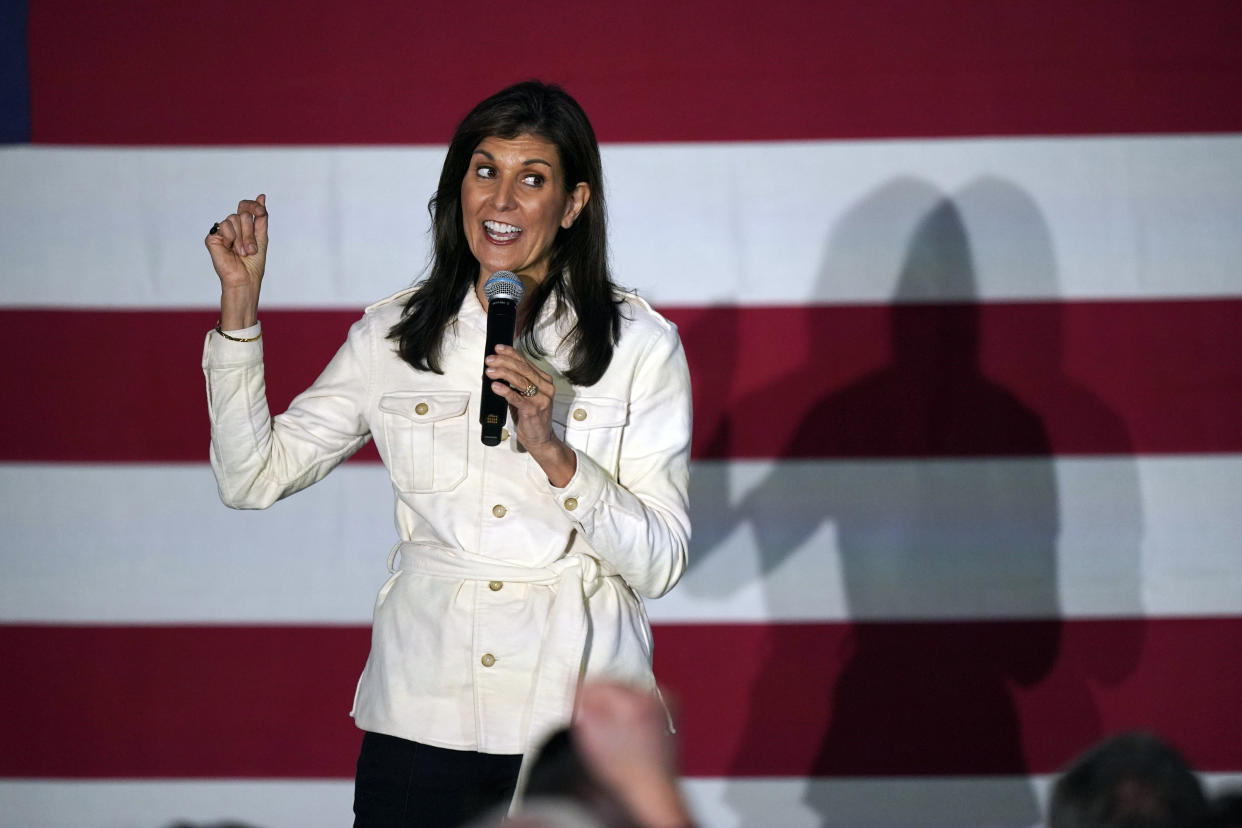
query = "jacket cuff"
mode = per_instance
[
  {"x": 582, "y": 494},
  {"x": 219, "y": 351}
]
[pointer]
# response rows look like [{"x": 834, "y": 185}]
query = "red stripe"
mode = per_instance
[
  {"x": 1032, "y": 379},
  {"x": 948, "y": 698},
  {"x": 913, "y": 699},
  {"x": 228, "y": 72}
]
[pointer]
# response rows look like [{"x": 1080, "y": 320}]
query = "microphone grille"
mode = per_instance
[{"x": 503, "y": 285}]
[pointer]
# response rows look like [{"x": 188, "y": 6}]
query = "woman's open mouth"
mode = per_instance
[{"x": 500, "y": 233}]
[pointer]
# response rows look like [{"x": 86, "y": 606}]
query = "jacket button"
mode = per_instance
[
  {"x": 421, "y": 408},
  {"x": 579, "y": 414},
  {"x": 495, "y": 586},
  {"x": 571, "y": 503},
  {"x": 499, "y": 511},
  {"x": 488, "y": 659}
]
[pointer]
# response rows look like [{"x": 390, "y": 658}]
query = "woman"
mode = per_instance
[{"x": 519, "y": 567}]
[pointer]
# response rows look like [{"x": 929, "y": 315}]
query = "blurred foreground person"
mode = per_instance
[{"x": 616, "y": 767}]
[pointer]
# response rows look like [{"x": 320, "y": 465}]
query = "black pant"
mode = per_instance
[{"x": 402, "y": 784}]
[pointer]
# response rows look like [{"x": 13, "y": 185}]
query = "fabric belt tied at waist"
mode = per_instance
[{"x": 562, "y": 652}]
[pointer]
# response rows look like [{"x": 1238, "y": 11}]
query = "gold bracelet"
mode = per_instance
[{"x": 236, "y": 338}]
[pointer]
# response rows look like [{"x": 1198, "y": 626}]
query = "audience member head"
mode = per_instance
[{"x": 1133, "y": 780}]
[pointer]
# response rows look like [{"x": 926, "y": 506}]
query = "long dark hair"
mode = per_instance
[{"x": 578, "y": 273}]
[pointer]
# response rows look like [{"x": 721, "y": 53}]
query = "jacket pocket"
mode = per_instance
[
  {"x": 593, "y": 425},
  {"x": 426, "y": 435}
]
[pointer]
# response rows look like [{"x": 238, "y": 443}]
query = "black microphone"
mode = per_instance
[{"x": 503, "y": 292}]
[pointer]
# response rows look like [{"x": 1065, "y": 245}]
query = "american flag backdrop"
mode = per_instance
[{"x": 961, "y": 288}]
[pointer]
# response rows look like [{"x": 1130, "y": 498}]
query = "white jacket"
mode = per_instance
[{"x": 505, "y": 589}]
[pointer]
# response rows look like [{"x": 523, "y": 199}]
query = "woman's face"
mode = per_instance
[{"x": 513, "y": 201}]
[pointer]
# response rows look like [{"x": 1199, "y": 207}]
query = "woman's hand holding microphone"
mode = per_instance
[{"x": 529, "y": 392}]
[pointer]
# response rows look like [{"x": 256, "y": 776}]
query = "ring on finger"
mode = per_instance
[
  {"x": 530, "y": 391},
  {"x": 215, "y": 228}
]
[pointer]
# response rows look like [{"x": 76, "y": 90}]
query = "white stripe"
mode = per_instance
[
  {"x": 985, "y": 538},
  {"x": 135, "y": 543},
  {"x": 715, "y": 802},
  {"x": 928, "y": 802},
  {"x": 1014, "y": 802},
  {"x": 760, "y": 223},
  {"x": 160, "y": 804},
  {"x": 813, "y": 540}
]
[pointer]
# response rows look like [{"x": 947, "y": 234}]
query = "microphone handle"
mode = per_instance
[{"x": 493, "y": 410}]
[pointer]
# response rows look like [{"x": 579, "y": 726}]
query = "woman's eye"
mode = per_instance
[
  {"x": 483, "y": 171},
  {"x": 533, "y": 179}
]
